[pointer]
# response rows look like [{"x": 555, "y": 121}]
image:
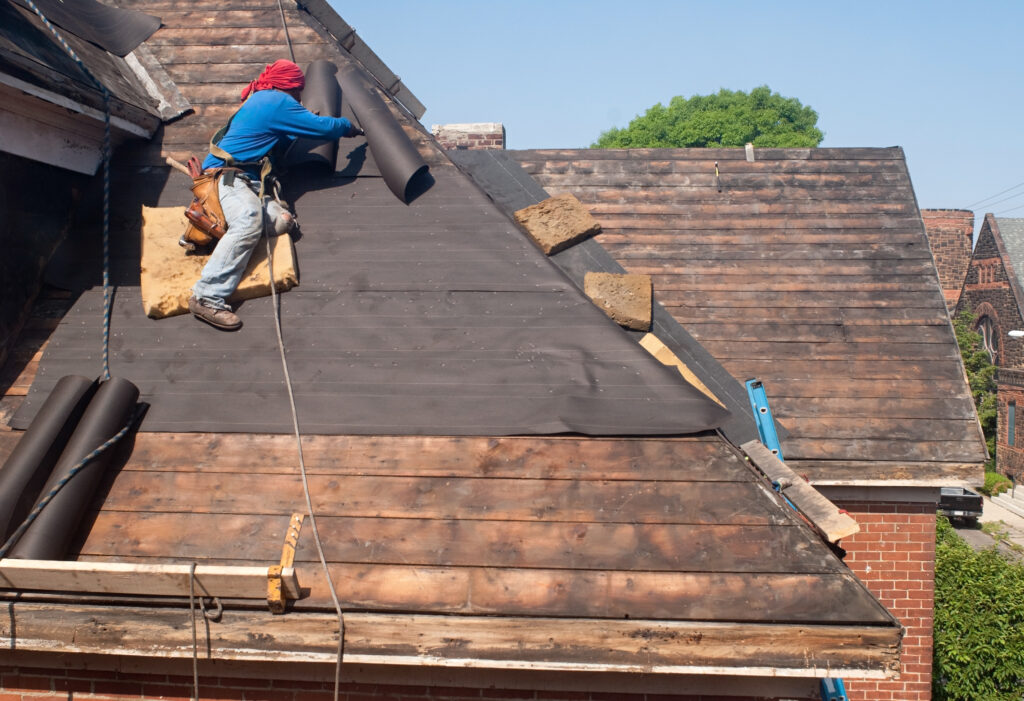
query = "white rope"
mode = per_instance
[{"x": 302, "y": 470}]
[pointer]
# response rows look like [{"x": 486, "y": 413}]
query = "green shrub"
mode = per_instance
[
  {"x": 995, "y": 483},
  {"x": 979, "y": 622}
]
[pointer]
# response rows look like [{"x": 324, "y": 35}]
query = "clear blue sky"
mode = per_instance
[{"x": 941, "y": 79}]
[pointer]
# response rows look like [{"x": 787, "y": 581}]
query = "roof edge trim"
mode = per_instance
[
  {"x": 61, "y": 101},
  {"x": 347, "y": 38}
]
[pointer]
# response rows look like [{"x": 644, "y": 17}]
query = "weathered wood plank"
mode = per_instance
[
  {"x": 720, "y": 241},
  {"x": 517, "y": 643},
  {"x": 881, "y": 449},
  {"x": 764, "y": 192},
  {"x": 641, "y": 250},
  {"x": 874, "y": 407},
  {"x": 725, "y": 350},
  {"x": 359, "y": 496},
  {"x": 217, "y": 35},
  {"x": 730, "y": 283},
  {"x": 142, "y": 579},
  {"x": 779, "y": 222},
  {"x": 777, "y": 299},
  {"x": 586, "y": 183},
  {"x": 439, "y": 456},
  {"x": 583, "y": 593},
  {"x": 882, "y": 472},
  {"x": 821, "y": 333},
  {"x": 848, "y": 316},
  {"x": 822, "y": 513},
  {"x": 244, "y": 53},
  {"x": 854, "y": 371},
  {"x": 713, "y": 267},
  {"x": 214, "y": 19},
  {"x": 728, "y": 209},
  {"x": 827, "y": 387},
  {"x": 743, "y": 546}
]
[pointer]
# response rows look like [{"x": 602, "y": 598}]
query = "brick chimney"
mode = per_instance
[
  {"x": 949, "y": 234},
  {"x": 476, "y": 136}
]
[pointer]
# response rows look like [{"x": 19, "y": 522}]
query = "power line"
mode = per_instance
[
  {"x": 986, "y": 199},
  {"x": 1005, "y": 199},
  {"x": 1012, "y": 209}
]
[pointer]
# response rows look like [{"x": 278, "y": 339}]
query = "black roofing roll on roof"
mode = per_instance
[{"x": 401, "y": 165}]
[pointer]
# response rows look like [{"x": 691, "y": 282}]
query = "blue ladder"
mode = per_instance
[
  {"x": 763, "y": 417},
  {"x": 831, "y": 689}
]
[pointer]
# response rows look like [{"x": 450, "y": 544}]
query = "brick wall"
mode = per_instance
[
  {"x": 987, "y": 292},
  {"x": 34, "y": 684},
  {"x": 894, "y": 555},
  {"x": 476, "y": 136},
  {"x": 950, "y": 233},
  {"x": 1010, "y": 460}
]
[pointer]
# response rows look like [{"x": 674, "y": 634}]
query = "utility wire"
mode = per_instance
[{"x": 986, "y": 199}]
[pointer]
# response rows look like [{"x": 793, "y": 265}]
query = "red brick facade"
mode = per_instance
[
  {"x": 29, "y": 684},
  {"x": 1010, "y": 459},
  {"x": 477, "y": 136},
  {"x": 950, "y": 233},
  {"x": 894, "y": 555},
  {"x": 987, "y": 292}
]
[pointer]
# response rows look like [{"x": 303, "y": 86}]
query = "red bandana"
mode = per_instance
[{"x": 281, "y": 74}]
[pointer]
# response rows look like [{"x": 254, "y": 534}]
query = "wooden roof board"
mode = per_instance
[
  {"x": 806, "y": 268},
  {"x": 674, "y": 529},
  {"x": 29, "y": 52}
]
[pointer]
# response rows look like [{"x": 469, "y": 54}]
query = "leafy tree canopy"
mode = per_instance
[{"x": 728, "y": 118}]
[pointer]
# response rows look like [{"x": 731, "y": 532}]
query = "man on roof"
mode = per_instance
[{"x": 271, "y": 116}]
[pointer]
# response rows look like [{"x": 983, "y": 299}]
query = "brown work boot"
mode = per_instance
[{"x": 223, "y": 319}]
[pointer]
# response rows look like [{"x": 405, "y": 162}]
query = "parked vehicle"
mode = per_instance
[{"x": 960, "y": 505}]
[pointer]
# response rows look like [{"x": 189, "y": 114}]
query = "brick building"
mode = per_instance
[
  {"x": 992, "y": 290},
  {"x": 950, "y": 234}
]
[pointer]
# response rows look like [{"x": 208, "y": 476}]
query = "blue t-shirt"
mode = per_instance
[{"x": 267, "y": 117}]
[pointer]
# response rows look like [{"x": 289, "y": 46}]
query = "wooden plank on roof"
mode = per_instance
[
  {"x": 653, "y": 647},
  {"x": 520, "y": 500},
  {"x": 547, "y": 457},
  {"x": 823, "y": 514},
  {"x": 141, "y": 579}
]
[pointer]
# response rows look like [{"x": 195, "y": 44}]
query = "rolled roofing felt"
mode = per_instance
[
  {"x": 322, "y": 95},
  {"x": 28, "y": 466},
  {"x": 398, "y": 160},
  {"x": 50, "y": 535}
]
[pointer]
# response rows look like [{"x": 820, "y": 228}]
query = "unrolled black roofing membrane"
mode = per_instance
[
  {"x": 111, "y": 28},
  {"x": 50, "y": 535},
  {"x": 433, "y": 318}
]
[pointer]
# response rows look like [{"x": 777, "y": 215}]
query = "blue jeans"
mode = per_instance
[{"x": 244, "y": 217}]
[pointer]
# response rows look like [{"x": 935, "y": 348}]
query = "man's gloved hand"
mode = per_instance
[{"x": 356, "y": 131}]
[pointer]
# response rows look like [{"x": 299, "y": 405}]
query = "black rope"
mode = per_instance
[{"x": 106, "y": 183}]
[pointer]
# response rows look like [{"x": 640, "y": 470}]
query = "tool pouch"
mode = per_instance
[{"x": 206, "y": 223}]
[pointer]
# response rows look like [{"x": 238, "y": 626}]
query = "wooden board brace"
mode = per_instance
[
  {"x": 142, "y": 580},
  {"x": 276, "y": 598},
  {"x": 822, "y": 513}
]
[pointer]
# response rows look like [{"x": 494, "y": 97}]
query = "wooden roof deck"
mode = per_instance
[
  {"x": 810, "y": 270},
  {"x": 655, "y": 554}
]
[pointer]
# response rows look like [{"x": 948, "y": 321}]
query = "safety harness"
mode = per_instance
[{"x": 206, "y": 223}]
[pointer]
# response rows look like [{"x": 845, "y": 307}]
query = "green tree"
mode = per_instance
[
  {"x": 981, "y": 376},
  {"x": 728, "y": 118},
  {"x": 979, "y": 622}
]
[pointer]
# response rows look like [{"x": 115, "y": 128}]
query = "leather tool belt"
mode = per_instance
[{"x": 206, "y": 223}]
